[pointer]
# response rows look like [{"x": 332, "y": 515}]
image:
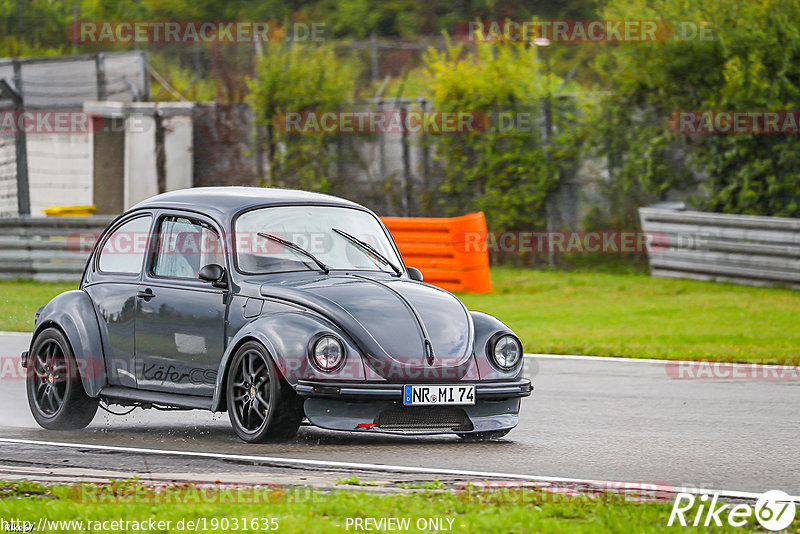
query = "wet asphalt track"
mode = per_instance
[{"x": 604, "y": 420}]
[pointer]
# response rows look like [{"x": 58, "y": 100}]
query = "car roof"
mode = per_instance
[{"x": 225, "y": 202}]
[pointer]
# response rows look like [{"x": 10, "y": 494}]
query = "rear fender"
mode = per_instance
[{"x": 73, "y": 313}]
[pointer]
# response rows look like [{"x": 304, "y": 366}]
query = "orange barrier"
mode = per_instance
[{"x": 450, "y": 252}]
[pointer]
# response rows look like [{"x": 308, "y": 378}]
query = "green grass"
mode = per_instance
[
  {"x": 303, "y": 510},
  {"x": 19, "y": 301},
  {"x": 637, "y": 316},
  {"x": 629, "y": 315}
]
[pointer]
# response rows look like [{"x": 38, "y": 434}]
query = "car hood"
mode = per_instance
[{"x": 406, "y": 329}]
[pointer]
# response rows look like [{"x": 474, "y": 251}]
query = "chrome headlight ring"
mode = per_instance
[
  {"x": 504, "y": 351},
  {"x": 326, "y": 352}
]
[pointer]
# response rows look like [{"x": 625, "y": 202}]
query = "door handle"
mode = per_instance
[{"x": 147, "y": 294}]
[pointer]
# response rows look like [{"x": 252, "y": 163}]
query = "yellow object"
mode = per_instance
[{"x": 70, "y": 211}]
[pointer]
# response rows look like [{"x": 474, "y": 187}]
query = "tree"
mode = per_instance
[{"x": 748, "y": 64}]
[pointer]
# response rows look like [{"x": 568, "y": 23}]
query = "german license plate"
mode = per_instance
[{"x": 428, "y": 395}]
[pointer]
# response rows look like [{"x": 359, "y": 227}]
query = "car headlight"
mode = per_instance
[
  {"x": 505, "y": 350},
  {"x": 327, "y": 352}
]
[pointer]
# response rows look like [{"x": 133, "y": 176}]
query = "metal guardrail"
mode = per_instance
[
  {"x": 48, "y": 249},
  {"x": 741, "y": 249}
]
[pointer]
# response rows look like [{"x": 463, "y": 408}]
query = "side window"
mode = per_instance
[
  {"x": 184, "y": 247},
  {"x": 124, "y": 249}
]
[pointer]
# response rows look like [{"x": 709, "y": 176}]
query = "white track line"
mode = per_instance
[
  {"x": 298, "y": 462},
  {"x": 595, "y": 358}
]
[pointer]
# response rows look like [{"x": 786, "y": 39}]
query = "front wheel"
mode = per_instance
[
  {"x": 55, "y": 392},
  {"x": 261, "y": 406},
  {"x": 484, "y": 436}
]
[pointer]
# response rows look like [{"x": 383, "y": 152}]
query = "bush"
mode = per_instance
[
  {"x": 505, "y": 172},
  {"x": 748, "y": 65},
  {"x": 296, "y": 79}
]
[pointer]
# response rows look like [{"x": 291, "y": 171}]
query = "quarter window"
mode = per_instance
[
  {"x": 184, "y": 247},
  {"x": 124, "y": 249}
]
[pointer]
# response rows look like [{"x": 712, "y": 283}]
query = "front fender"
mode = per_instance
[
  {"x": 286, "y": 337},
  {"x": 74, "y": 314}
]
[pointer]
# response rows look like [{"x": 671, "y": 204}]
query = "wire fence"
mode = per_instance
[
  {"x": 58, "y": 166},
  {"x": 66, "y": 82}
]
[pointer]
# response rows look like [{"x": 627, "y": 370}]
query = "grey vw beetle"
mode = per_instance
[{"x": 273, "y": 305}]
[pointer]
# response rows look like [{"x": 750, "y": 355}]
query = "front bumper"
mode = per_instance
[
  {"x": 365, "y": 407},
  {"x": 495, "y": 390}
]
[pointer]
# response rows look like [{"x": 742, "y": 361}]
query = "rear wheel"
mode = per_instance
[
  {"x": 484, "y": 436},
  {"x": 261, "y": 406},
  {"x": 55, "y": 393}
]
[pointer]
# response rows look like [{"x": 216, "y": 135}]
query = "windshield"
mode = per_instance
[{"x": 312, "y": 229}]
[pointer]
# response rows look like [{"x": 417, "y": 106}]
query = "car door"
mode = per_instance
[
  {"x": 180, "y": 319},
  {"x": 112, "y": 282}
]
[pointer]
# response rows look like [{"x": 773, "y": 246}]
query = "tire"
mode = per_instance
[
  {"x": 484, "y": 436},
  {"x": 55, "y": 393},
  {"x": 261, "y": 405}
]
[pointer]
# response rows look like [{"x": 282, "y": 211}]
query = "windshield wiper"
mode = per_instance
[
  {"x": 369, "y": 249},
  {"x": 288, "y": 244}
]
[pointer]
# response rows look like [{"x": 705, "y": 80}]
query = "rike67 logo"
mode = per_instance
[{"x": 774, "y": 510}]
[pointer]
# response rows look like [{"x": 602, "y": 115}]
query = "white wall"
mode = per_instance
[
  {"x": 59, "y": 170},
  {"x": 179, "y": 157},
  {"x": 60, "y": 166},
  {"x": 8, "y": 176},
  {"x": 141, "y": 178}
]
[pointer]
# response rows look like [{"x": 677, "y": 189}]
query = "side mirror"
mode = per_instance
[
  {"x": 414, "y": 273},
  {"x": 213, "y": 273}
]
